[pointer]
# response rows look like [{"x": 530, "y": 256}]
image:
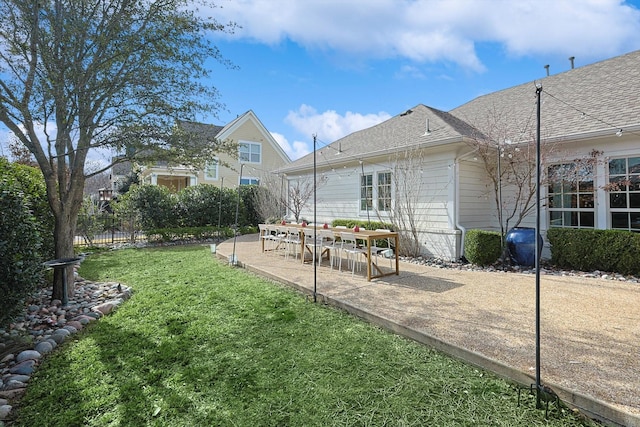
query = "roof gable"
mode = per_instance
[{"x": 228, "y": 130}]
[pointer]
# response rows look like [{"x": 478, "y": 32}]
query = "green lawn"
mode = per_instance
[{"x": 204, "y": 344}]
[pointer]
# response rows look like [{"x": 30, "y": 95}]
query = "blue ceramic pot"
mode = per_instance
[{"x": 522, "y": 245}]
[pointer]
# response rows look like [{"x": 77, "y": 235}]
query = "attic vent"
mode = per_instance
[
  {"x": 571, "y": 58},
  {"x": 409, "y": 111},
  {"x": 547, "y": 68}
]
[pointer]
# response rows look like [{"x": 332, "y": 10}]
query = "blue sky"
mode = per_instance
[{"x": 330, "y": 67}]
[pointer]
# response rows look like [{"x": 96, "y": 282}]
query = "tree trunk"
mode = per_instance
[{"x": 65, "y": 224}]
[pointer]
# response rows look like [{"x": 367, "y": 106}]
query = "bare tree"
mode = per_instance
[
  {"x": 507, "y": 146},
  {"x": 268, "y": 198},
  {"x": 82, "y": 74},
  {"x": 299, "y": 192},
  {"x": 405, "y": 214}
]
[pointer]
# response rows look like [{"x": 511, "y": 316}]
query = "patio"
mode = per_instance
[{"x": 590, "y": 328}]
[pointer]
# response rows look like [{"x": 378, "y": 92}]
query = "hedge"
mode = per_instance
[{"x": 587, "y": 250}]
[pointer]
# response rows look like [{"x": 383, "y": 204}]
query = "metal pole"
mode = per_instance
[
  {"x": 235, "y": 233},
  {"x": 537, "y": 249},
  {"x": 315, "y": 227},
  {"x": 220, "y": 206}
]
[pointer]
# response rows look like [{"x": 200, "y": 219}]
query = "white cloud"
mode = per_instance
[
  {"x": 329, "y": 125},
  {"x": 295, "y": 150},
  {"x": 440, "y": 30}
]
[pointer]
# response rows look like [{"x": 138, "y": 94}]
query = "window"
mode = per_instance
[
  {"x": 624, "y": 193},
  {"x": 250, "y": 152},
  {"x": 366, "y": 192},
  {"x": 249, "y": 181},
  {"x": 376, "y": 196},
  {"x": 384, "y": 191},
  {"x": 211, "y": 170},
  {"x": 571, "y": 196}
]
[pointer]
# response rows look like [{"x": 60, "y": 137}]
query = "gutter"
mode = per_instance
[{"x": 456, "y": 196}]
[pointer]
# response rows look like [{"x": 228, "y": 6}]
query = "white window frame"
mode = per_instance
[
  {"x": 252, "y": 180},
  {"x": 379, "y": 199},
  {"x": 569, "y": 202},
  {"x": 631, "y": 175},
  {"x": 254, "y": 149},
  {"x": 215, "y": 166},
  {"x": 374, "y": 189}
]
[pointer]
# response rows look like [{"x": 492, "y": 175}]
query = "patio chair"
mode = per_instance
[
  {"x": 292, "y": 242},
  {"x": 328, "y": 244},
  {"x": 312, "y": 240},
  {"x": 265, "y": 236},
  {"x": 377, "y": 250},
  {"x": 353, "y": 252}
]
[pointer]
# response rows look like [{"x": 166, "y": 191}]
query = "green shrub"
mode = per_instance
[
  {"x": 369, "y": 225},
  {"x": 203, "y": 204},
  {"x": 587, "y": 250},
  {"x": 156, "y": 206},
  {"x": 30, "y": 181},
  {"x": 482, "y": 247},
  {"x": 20, "y": 244},
  {"x": 194, "y": 233}
]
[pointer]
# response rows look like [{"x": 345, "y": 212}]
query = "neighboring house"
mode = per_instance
[
  {"x": 589, "y": 126},
  {"x": 258, "y": 151}
]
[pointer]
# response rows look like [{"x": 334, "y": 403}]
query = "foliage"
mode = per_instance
[
  {"x": 155, "y": 204},
  {"x": 79, "y": 75},
  {"x": 250, "y": 211},
  {"x": 205, "y": 204},
  {"x": 91, "y": 219},
  {"x": 205, "y": 344},
  {"x": 29, "y": 179},
  {"x": 369, "y": 225},
  {"x": 588, "y": 250},
  {"x": 127, "y": 215},
  {"x": 187, "y": 233},
  {"x": 20, "y": 244},
  {"x": 192, "y": 212},
  {"x": 482, "y": 247}
]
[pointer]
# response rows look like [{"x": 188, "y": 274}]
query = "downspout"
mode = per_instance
[
  {"x": 456, "y": 197},
  {"x": 456, "y": 177}
]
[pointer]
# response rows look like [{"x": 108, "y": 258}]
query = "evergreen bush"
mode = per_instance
[
  {"x": 482, "y": 247},
  {"x": 587, "y": 250},
  {"x": 20, "y": 244}
]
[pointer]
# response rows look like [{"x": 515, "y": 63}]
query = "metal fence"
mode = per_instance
[{"x": 105, "y": 229}]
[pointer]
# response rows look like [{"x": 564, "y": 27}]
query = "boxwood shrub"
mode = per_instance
[
  {"x": 587, "y": 250},
  {"x": 482, "y": 247}
]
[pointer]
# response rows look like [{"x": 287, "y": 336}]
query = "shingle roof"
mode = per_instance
[
  {"x": 208, "y": 131},
  {"x": 607, "y": 92},
  {"x": 601, "y": 97}
]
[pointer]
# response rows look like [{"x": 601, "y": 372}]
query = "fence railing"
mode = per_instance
[{"x": 106, "y": 229}]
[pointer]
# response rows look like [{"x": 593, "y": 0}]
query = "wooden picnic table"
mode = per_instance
[{"x": 367, "y": 237}]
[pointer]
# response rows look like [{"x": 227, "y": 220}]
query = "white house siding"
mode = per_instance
[
  {"x": 476, "y": 197},
  {"x": 339, "y": 197}
]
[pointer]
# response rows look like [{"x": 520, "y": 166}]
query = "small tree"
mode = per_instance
[
  {"x": 506, "y": 145},
  {"x": 268, "y": 199},
  {"x": 119, "y": 74},
  {"x": 404, "y": 214},
  {"x": 299, "y": 192}
]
